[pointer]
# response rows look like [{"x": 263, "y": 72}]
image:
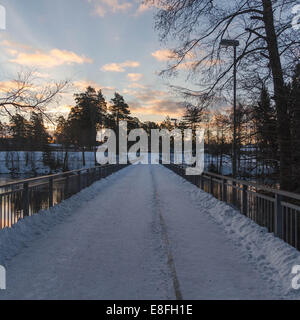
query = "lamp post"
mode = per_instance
[
  {"x": 175, "y": 122},
  {"x": 175, "y": 126},
  {"x": 234, "y": 44}
]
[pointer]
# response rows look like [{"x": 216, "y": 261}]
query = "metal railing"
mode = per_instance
[
  {"x": 276, "y": 210},
  {"x": 27, "y": 197}
]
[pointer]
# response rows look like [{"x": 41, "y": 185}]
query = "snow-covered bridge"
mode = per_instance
[{"x": 144, "y": 233}]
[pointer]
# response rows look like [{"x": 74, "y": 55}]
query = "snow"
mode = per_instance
[
  {"x": 130, "y": 236},
  {"x": 15, "y": 161}
]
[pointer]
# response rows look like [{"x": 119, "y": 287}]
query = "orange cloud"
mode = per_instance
[
  {"x": 143, "y": 7},
  {"x": 83, "y": 84},
  {"x": 41, "y": 75},
  {"x": 120, "y": 67},
  {"x": 6, "y": 86},
  {"x": 51, "y": 59},
  {"x": 190, "y": 65},
  {"x": 28, "y": 56},
  {"x": 101, "y": 7},
  {"x": 163, "y": 55},
  {"x": 64, "y": 109},
  {"x": 159, "y": 107},
  {"x": 154, "y": 102},
  {"x": 167, "y": 54},
  {"x": 136, "y": 86},
  {"x": 134, "y": 77},
  {"x": 15, "y": 45}
]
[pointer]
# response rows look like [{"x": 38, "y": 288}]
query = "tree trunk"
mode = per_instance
[
  {"x": 281, "y": 99},
  {"x": 296, "y": 129}
]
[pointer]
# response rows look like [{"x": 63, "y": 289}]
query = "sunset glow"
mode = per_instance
[{"x": 110, "y": 45}]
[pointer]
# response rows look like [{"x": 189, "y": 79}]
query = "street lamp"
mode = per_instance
[
  {"x": 175, "y": 122},
  {"x": 233, "y": 43}
]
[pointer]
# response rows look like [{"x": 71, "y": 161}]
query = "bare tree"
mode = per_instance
[
  {"x": 268, "y": 51},
  {"x": 25, "y": 94}
]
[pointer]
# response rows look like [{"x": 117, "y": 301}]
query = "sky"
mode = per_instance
[{"x": 109, "y": 44}]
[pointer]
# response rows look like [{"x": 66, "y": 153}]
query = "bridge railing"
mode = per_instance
[
  {"x": 276, "y": 210},
  {"x": 27, "y": 197}
]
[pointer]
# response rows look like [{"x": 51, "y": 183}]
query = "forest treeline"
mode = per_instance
[{"x": 257, "y": 142}]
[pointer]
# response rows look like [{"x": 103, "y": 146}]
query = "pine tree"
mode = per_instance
[
  {"x": 39, "y": 137},
  {"x": 119, "y": 109},
  {"x": 264, "y": 117},
  {"x": 167, "y": 124},
  {"x": 85, "y": 118},
  {"x": 19, "y": 129}
]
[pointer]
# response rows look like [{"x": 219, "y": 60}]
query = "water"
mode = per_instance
[{"x": 7, "y": 178}]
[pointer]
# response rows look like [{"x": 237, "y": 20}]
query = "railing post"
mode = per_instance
[
  {"x": 211, "y": 185},
  {"x": 234, "y": 193},
  {"x": 224, "y": 189},
  {"x": 278, "y": 216},
  {"x": 50, "y": 192},
  {"x": 67, "y": 187},
  {"x": 94, "y": 175},
  {"x": 88, "y": 177},
  {"x": 245, "y": 200},
  {"x": 26, "y": 199},
  {"x": 79, "y": 180},
  {"x": 198, "y": 181}
]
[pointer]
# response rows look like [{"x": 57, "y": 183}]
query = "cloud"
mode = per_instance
[
  {"x": 83, "y": 84},
  {"x": 136, "y": 86},
  {"x": 190, "y": 61},
  {"x": 134, "y": 77},
  {"x": 155, "y": 4},
  {"x": 167, "y": 54},
  {"x": 160, "y": 107},
  {"x": 143, "y": 8},
  {"x": 50, "y": 59},
  {"x": 27, "y": 56},
  {"x": 120, "y": 67},
  {"x": 60, "y": 109},
  {"x": 6, "y": 86},
  {"x": 101, "y": 7},
  {"x": 192, "y": 65},
  {"x": 41, "y": 75},
  {"x": 163, "y": 55},
  {"x": 154, "y": 102},
  {"x": 15, "y": 45}
]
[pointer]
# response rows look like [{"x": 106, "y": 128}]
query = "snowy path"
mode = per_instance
[{"x": 140, "y": 237}]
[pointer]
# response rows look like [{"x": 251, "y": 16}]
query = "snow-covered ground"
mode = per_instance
[
  {"x": 21, "y": 162},
  {"x": 144, "y": 233}
]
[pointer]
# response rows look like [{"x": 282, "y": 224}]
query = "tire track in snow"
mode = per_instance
[{"x": 165, "y": 236}]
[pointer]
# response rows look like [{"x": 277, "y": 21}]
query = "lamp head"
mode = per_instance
[{"x": 229, "y": 43}]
